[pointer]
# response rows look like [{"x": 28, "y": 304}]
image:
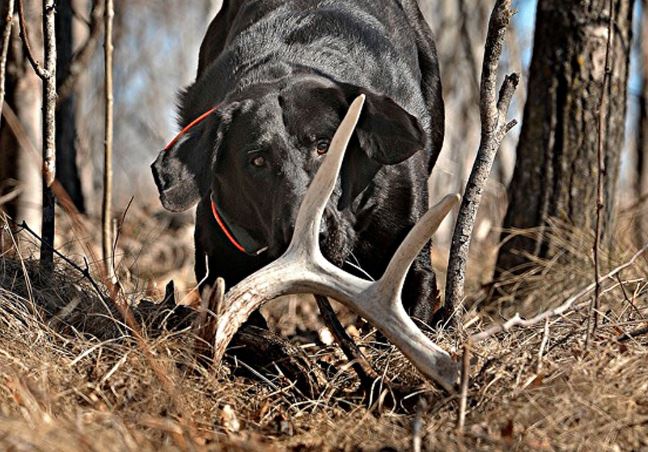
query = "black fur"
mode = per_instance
[{"x": 284, "y": 73}]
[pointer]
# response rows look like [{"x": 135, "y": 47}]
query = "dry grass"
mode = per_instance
[{"x": 64, "y": 389}]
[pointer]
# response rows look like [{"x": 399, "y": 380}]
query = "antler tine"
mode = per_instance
[
  {"x": 309, "y": 216},
  {"x": 394, "y": 277}
]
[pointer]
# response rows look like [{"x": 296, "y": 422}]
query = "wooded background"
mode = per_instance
[{"x": 546, "y": 172}]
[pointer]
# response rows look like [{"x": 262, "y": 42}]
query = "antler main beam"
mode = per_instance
[{"x": 303, "y": 269}]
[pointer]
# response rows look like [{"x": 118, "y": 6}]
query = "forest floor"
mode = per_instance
[{"x": 73, "y": 379}]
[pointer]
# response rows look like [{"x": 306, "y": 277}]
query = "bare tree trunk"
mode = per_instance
[
  {"x": 49, "y": 134},
  {"x": 5, "y": 40},
  {"x": 19, "y": 168},
  {"x": 555, "y": 175},
  {"x": 108, "y": 176},
  {"x": 66, "y": 132}
]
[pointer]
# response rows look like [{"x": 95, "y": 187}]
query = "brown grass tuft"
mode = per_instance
[{"x": 72, "y": 378}]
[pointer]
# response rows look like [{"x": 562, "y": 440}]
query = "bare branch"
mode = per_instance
[
  {"x": 106, "y": 208},
  {"x": 493, "y": 111},
  {"x": 41, "y": 71},
  {"x": 519, "y": 321},
  {"x": 593, "y": 318},
  {"x": 4, "y": 50}
]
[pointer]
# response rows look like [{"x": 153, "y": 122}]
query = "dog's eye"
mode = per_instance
[
  {"x": 258, "y": 161},
  {"x": 322, "y": 146}
]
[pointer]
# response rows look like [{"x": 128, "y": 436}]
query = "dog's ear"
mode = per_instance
[
  {"x": 386, "y": 134},
  {"x": 182, "y": 172}
]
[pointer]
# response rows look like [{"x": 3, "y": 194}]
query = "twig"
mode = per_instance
[
  {"x": 493, "y": 110},
  {"x": 519, "y": 321},
  {"x": 463, "y": 395},
  {"x": 84, "y": 55},
  {"x": 106, "y": 209},
  {"x": 4, "y": 50},
  {"x": 121, "y": 304},
  {"x": 593, "y": 318},
  {"x": 543, "y": 346},
  {"x": 363, "y": 369},
  {"x": 118, "y": 227},
  {"x": 418, "y": 424},
  {"x": 632, "y": 334},
  {"x": 61, "y": 195},
  {"x": 627, "y": 298},
  {"x": 85, "y": 272},
  {"x": 41, "y": 71}
]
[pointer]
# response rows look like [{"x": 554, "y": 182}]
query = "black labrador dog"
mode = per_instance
[{"x": 275, "y": 78}]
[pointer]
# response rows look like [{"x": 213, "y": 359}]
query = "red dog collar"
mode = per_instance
[
  {"x": 244, "y": 237},
  {"x": 237, "y": 236}
]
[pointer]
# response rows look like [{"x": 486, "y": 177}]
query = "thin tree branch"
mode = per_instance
[
  {"x": 49, "y": 133},
  {"x": 593, "y": 318},
  {"x": 106, "y": 210},
  {"x": 4, "y": 50},
  {"x": 519, "y": 321},
  {"x": 41, "y": 71},
  {"x": 493, "y": 110},
  {"x": 83, "y": 56}
]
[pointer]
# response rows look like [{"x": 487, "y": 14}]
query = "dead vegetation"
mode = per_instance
[{"x": 73, "y": 378}]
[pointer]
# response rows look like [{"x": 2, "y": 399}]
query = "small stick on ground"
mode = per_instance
[
  {"x": 361, "y": 366},
  {"x": 517, "y": 320},
  {"x": 543, "y": 346},
  {"x": 632, "y": 334},
  {"x": 493, "y": 109},
  {"x": 463, "y": 395}
]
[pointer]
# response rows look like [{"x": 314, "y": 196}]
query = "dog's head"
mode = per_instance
[{"x": 258, "y": 152}]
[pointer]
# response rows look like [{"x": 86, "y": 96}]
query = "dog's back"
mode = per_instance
[
  {"x": 268, "y": 60},
  {"x": 382, "y": 45}
]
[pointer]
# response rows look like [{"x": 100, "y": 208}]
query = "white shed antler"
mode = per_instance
[{"x": 303, "y": 269}]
